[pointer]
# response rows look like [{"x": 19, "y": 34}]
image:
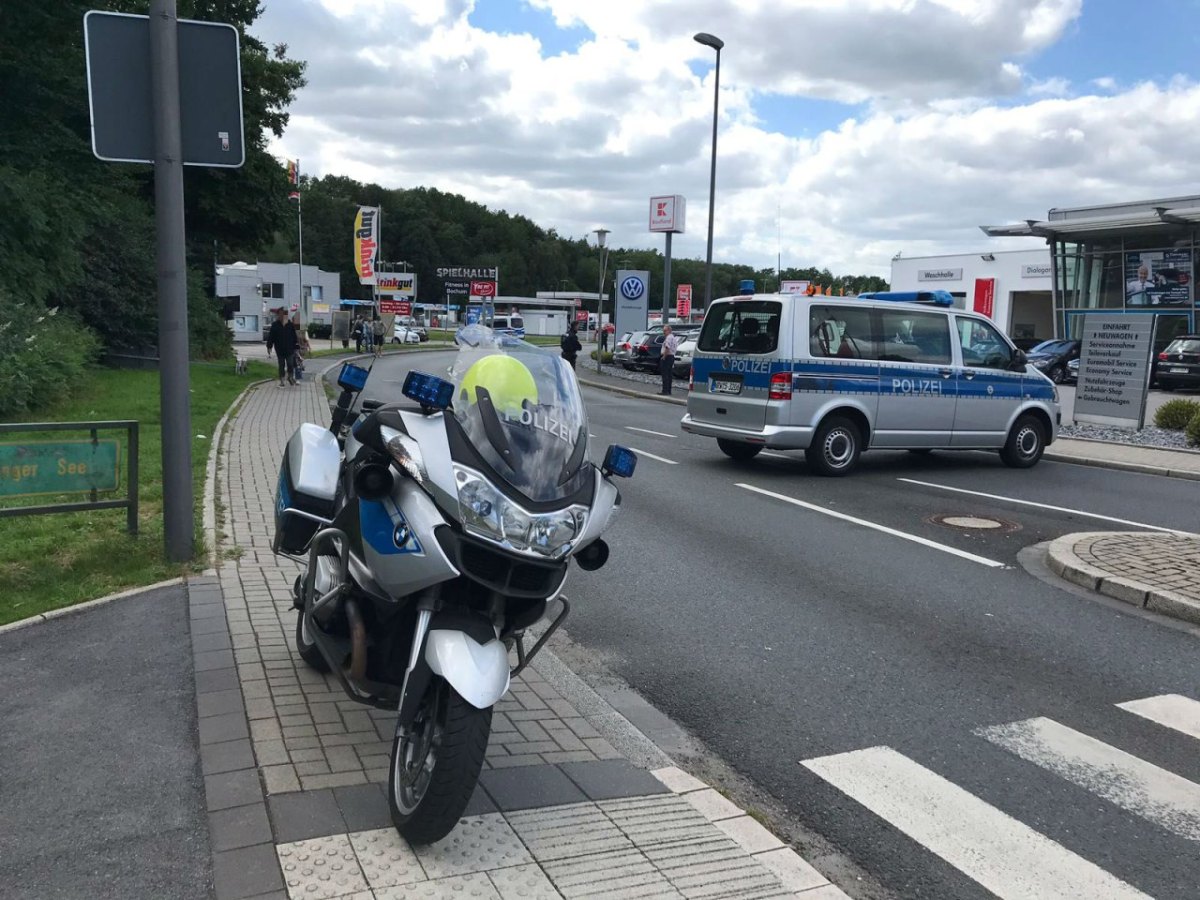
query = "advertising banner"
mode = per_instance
[
  {"x": 1158, "y": 277},
  {"x": 457, "y": 279},
  {"x": 393, "y": 306},
  {"x": 985, "y": 296},
  {"x": 1114, "y": 370},
  {"x": 683, "y": 301},
  {"x": 366, "y": 243},
  {"x": 632, "y": 296},
  {"x": 668, "y": 214},
  {"x": 483, "y": 289},
  {"x": 396, "y": 283}
]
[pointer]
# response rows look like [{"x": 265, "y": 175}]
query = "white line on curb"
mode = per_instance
[
  {"x": 86, "y": 605},
  {"x": 1065, "y": 509},
  {"x": 924, "y": 542},
  {"x": 648, "y": 431},
  {"x": 661, "y": 459}
]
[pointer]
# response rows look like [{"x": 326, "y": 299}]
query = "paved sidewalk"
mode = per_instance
[
  {"x": 296, "y": 795},
  {"x": 1155, "y": 571}
]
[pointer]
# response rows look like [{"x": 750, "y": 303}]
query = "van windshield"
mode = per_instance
[{"x": 741, "y": 326}]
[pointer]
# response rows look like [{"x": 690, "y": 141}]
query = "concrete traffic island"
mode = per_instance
[{"x": 1160, "y": 572}]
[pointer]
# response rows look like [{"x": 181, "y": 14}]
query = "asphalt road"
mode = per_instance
[
  {"x": 848, "y": 664},
  {"x": 100, "y": 786}
]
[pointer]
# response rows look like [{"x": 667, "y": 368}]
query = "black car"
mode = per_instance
[
  {"x": 1027, "y": 344},
  {"x": 1178, "y": 365},
  {"x": 646, "y": 352},
  {"x": 1051, "y": 358}
]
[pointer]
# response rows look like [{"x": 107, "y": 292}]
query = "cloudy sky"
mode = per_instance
[{"x": 850, "y": 130}]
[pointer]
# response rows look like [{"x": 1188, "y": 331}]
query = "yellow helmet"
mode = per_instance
[{"x": 507, "y": 380}]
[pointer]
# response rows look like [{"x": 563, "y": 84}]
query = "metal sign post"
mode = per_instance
[
  {"x": 167, "y": 92},
  {"x": 669, "y": 215}
]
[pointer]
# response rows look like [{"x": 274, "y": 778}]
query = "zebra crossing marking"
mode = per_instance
[
  {"x": 1004, "y": 855},
  {"x": 1169, "y": 710}
]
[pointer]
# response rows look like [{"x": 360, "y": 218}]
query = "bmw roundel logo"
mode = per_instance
[
  {"x": 632, "y": 288},
  {"x": 401, "y": 535}
]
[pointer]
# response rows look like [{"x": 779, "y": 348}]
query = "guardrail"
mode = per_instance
[{"x": 86, "y": 465}]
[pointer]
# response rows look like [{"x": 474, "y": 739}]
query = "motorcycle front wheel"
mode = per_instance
[{"x": 435, "y": 764}]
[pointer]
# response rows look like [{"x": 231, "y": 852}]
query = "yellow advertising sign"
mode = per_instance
[{"x": 366, "y": 243}]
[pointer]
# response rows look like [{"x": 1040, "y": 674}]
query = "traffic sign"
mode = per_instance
[{"x": 117, "y": 46}]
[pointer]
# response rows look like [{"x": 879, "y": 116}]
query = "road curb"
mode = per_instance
[
  {"x": 629, "y": 392},
  {"x": 1066, "y": 563},
  {"x": 86, "y": 605},
  {"x": 1140, "y": 468}
]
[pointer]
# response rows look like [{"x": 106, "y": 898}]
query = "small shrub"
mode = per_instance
[
  {"x": 1176, "y": 414},
  {"x": 1192, "y": 432},
  {"x": 43, "y": 355},
  {"x": 607, "y": 356}
]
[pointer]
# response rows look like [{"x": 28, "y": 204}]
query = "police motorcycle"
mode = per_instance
[{"x": 434, "y": 535}]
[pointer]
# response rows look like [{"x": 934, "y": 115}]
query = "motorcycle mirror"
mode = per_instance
[{"x": 373, "y": 481}]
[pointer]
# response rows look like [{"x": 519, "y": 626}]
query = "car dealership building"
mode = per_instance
[{"x": 1133, "y": 258}]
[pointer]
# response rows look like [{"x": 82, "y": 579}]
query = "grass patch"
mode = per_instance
[{"x": 51, "y": 561}]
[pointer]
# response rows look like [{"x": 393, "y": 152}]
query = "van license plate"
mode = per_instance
[
  {"x": 726, "y": 387},
  {"x": 1178, "y": 370}
]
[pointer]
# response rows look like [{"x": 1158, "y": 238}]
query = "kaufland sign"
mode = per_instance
[{"x": 668, "y": 213}]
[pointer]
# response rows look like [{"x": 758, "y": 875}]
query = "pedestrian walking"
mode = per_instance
[
  {"x": 357, "y": 331},
  {"x": 302, "y": 346},
  {"x": 603, "y": 339},
  {"x": 281, "y": 337},
  {"x": 377, "y": 335},
  {"x": 666, "y": 362},
  {"x": 570, "y": 345}
]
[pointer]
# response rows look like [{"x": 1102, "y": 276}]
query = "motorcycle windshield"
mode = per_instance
[{"x": 519, "y": 406}]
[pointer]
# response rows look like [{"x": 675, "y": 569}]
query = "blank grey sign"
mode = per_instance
[{"x": 210, "y": 90}]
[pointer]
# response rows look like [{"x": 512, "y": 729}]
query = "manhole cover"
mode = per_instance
[{"x": 974, "y": 523}]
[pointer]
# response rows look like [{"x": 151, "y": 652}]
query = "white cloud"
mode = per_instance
[{"x": 412, "y": 94}]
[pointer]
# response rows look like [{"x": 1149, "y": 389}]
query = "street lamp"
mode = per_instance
[
  {"x": 601, "y": 236},
  {"x": 709, "y": 40}
]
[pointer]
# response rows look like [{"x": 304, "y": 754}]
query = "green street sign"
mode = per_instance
[{"x": 59, "y": 467}]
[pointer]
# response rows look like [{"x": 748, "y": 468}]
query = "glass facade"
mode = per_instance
[{"x": 1149, "y": 271}]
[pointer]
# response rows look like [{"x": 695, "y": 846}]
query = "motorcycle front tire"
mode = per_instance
[{"x": 459, "y": 744}]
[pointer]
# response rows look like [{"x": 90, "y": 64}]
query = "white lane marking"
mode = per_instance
[
  {"x": 648, "y": 431},
  {"x": 924, "y": 542},
  {"x": 1007, "y": 857},
  {"x": 1064, "y": 509},
  {"x": 1170, "y": 710},
  {"x": 1155, "y": 794},
  {"x": 774, "y": 455},
  {"x": 669, "y": 462}
]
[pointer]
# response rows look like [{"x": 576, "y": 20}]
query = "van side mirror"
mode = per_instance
[{"x": 1019, "y": 360}]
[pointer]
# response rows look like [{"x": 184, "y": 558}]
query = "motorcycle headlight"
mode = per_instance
[{"x": 489, "y": 514}]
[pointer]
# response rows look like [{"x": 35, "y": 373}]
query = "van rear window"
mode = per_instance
[{"x": 741, "y": 326}]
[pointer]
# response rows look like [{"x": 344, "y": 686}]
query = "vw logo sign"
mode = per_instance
[{"x": 632, "y": 288}]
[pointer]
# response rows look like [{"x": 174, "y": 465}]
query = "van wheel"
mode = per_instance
[
  {"x": 738, "y": 450},
  {"x": 835, "y": 447},
  {"x": 1026, "y": 443}
]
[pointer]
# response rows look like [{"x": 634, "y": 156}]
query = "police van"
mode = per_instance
[{"x": 835, "y": 376}]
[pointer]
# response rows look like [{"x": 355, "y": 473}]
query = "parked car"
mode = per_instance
[
  {"x": 683, "y": 355},
  {"x": 623, "y": 349},
  {"x": 1051, "y": 358},
  {"x": 402, "y": 334},
  {"x": 1072, "y": 371},
  {"x": 1179, "y": 363},
  {"x": 1027, "y": 344},
  {"x": 647, "y": 352}
]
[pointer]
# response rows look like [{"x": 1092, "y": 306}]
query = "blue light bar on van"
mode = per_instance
[
  {"x": 932, "y": 298},
  {"x": 746, "y": 286},
  {"x": 428, "y": 390}
]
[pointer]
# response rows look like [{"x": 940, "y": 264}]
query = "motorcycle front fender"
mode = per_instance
[{"x": 479, "y": 672}]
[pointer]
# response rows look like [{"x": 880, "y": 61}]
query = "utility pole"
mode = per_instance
[{"x": 173, "y": 352}]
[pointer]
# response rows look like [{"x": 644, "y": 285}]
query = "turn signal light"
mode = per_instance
[
  {"x": 781, "y": 386},
  {"x": 1162, "y": 355}
]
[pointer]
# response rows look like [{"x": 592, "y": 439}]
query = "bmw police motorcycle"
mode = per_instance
[{"x": 435, "y": 532}]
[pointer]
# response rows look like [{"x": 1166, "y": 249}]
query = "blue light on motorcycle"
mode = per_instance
[
  {"x": 428, "y": 390},
  {"x": 352, "y": 377},
  {"x": 619, "y": 461}
]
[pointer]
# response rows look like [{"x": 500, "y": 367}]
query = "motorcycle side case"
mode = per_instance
[{"x": 308, "y": 483}]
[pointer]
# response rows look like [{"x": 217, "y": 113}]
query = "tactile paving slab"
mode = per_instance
[
  {"x": 524, "y": 883},
  {"x": 321, "y": 868},
  {"x": 560, "y": 832},
  {"x": 649, "y": 821},
  {"x": 460, "y": 887},
  {"x": 478, "y": 844},
  {"x": 386, "y": 858}
]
